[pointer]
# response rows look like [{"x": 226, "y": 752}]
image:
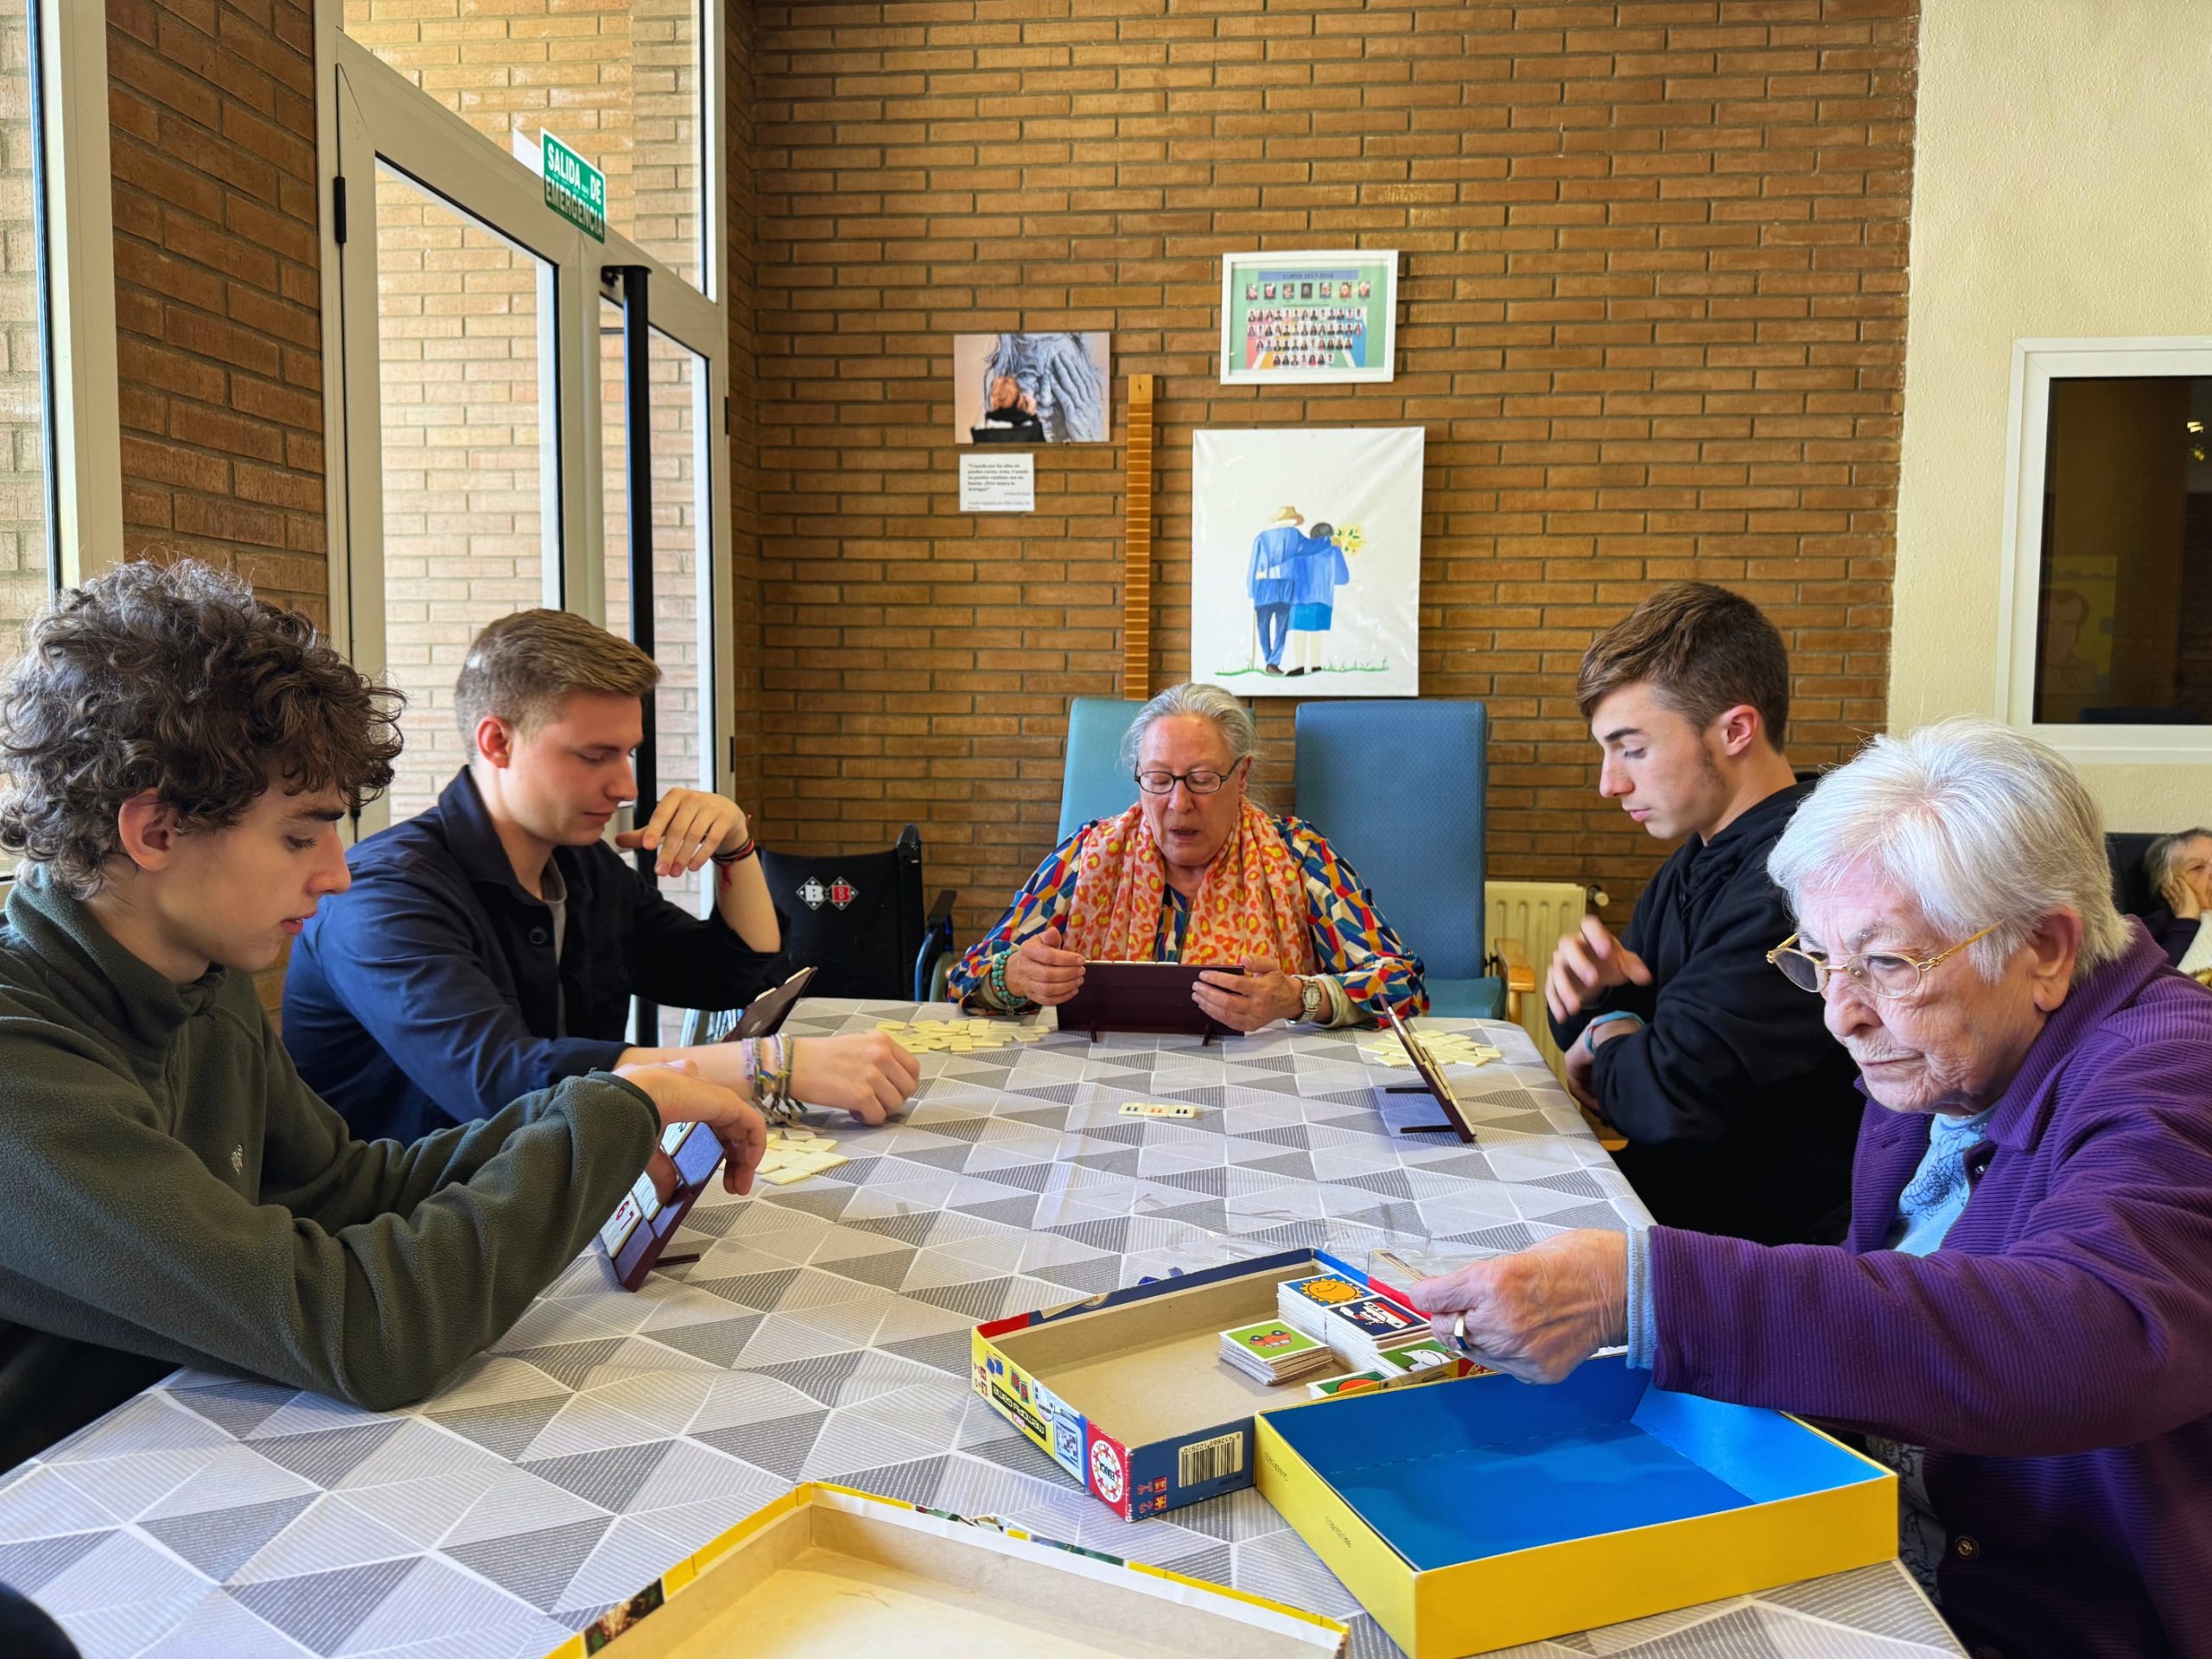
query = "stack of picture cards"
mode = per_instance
[
  {"x": 1356, "y": 1325},
  {"x": 1306, "y": 1303},
  {"x": 1364, "y": 1333},
  {"x": 1272, "y": 1350}
]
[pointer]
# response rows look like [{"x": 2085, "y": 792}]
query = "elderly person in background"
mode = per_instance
[
  {"x": 1195, "y": 873},
  {"x": 2020, "y": 1321},
  {"x": 2180, "y": 869}
]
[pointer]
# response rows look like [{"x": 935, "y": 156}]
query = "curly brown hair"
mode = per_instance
[{"x": 176, "y": 678}]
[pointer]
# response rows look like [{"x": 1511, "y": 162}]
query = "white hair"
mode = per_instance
[
  {"x": 1978, "y": 823},
  {"x": 2162, "y": 859},
  {"x": 1230, "y": 717}
]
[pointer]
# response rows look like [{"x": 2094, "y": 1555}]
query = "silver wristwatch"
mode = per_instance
[{"x": 1312, "y": 999}]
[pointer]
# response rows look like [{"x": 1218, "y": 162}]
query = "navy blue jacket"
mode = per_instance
[{"x": 426, "y": 996}]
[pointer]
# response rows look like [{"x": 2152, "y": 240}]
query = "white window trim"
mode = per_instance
[
  {"x": 2036, "y": 364},
  {"x": 348, "y": 76},
  {"x": 85, "y": 443}
]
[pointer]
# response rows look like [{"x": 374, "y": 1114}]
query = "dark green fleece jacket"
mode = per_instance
[{"x": 169, "y": 1187}]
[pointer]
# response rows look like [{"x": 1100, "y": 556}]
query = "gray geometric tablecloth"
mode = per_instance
[{"x": 823, "y": 1335}]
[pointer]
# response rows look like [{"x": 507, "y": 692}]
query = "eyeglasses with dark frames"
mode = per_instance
[{"x": 1199, "y": 780}]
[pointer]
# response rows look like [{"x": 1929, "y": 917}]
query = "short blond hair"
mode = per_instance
[{"x": 523, "y": 667}]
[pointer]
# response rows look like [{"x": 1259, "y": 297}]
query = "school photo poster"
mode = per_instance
[
  {"x": 1306, "y": 560},
  {"x": 1308, "y": 319}
]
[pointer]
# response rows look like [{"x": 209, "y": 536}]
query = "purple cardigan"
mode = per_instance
[{"x": 2054, "y": 1355}]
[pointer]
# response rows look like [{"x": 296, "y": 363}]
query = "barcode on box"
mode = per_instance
[{"x": 1204, "y": 1460}]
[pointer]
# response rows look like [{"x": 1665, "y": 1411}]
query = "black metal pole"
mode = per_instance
[{"x": 637, "y": 424}]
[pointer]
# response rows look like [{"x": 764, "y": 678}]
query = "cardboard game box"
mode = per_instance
[
  {"x": 824, "y": 1570},
  {"x": 1128, "y": 1392},
  {"x": 1489, "y": 1513}
]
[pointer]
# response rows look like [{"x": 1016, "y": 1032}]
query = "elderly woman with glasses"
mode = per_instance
[
  {"x": 2020, "y": 1322},
  {"x": 1195, "y": 873}
]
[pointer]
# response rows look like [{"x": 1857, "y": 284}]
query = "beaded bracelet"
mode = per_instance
[
  {"x": 1004, "y": 997},
  {"x": 780, "y": 1105},
  {"x": 770, "y": 1061}
]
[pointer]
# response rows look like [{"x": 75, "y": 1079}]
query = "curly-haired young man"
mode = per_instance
[{"x": 178, "y": 756}]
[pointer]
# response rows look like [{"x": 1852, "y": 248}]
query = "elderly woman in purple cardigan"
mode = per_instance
[{"x": 2020, "y": 1322}]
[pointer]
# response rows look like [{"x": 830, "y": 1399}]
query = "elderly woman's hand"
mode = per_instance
[
  {"x": 1260, "y": 995},
  {"x": 1043, "y": 971},
  {"x": 1539, "y": 1312},
  {"x": 2181, "y": 898}
]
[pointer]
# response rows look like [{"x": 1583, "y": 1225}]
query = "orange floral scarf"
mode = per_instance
[{"x": 1251, "y": 906}]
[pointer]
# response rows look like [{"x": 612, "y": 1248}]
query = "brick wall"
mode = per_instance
[
  {"x": 218, "y": 301},
  {"x": 1653, "y": 260},
  {"x": 1653, "y": 294},
  {"x": 218, "y": 293}
]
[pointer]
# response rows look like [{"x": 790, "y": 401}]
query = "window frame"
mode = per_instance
[
  {"x": 359, "y": 104},
  {"x": 83, "y": 432},
  {"x": 2036, "y": 364},
  {"x": 73, "y": 211}
]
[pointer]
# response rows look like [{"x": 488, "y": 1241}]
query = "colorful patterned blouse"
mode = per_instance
[{"x": 1355, "y": 948}]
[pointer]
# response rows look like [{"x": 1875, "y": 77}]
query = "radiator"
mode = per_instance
[{"x": 1534, "y": 914}]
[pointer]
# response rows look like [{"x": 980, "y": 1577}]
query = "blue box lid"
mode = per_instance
[{"x": 1489, "y": 1465}]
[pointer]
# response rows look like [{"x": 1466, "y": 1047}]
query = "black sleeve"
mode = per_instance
[
  {"x": 683, "y": 961},
  {"x": 1723, "y": 1030}
]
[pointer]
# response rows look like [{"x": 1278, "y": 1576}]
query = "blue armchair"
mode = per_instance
[
  {"x": 1397, "y": 786},
  {"x": 1095, "y": 784}
]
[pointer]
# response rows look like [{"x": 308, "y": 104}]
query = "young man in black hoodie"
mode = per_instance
[{"x": 1739, "y": 1109}]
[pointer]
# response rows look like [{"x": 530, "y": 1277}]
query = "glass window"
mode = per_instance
[
  {"x": 26, "y": 562},
  {"x": 464, "y": 324},
  {"x": 2123, "y": 599},
  {"x": 682, "y": 758},
  {"x": 619, "y": 84}
]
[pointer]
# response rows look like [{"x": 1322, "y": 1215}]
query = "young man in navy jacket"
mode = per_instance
[{"x": 491, "y": 945}]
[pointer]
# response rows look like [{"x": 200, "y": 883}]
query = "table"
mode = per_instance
[{"x": 823, "y": 1335}]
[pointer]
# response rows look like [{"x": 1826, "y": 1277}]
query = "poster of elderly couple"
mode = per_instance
[{"x": 1305, "y": 561}]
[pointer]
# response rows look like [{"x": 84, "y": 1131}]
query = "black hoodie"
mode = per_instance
[{"x": 1741, "y": 1109}]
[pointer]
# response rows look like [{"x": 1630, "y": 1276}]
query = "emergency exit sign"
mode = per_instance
[{"x": 573, "y": 188}]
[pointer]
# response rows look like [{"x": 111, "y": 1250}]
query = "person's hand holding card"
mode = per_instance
[
  {"x": 680, "y": 1095},
  {"x": 1535, "y": 1313},
  {"x": 1244, "y": 1001}
]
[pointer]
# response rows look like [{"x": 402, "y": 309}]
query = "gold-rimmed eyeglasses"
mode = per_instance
[{"x": 1882, "y": 975}]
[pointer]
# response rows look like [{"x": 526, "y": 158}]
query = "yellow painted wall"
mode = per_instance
[{"x": 2059, "y": 190}]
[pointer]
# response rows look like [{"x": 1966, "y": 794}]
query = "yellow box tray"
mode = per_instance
[
  {"x": 833, "y": 1574},
  {"x": 1485, "y": 1513}
]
